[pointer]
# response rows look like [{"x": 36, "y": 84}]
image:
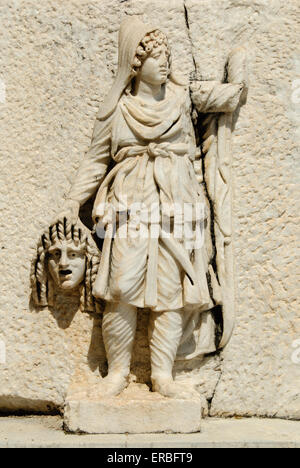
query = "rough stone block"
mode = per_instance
[{"x": 135, "y": 411}]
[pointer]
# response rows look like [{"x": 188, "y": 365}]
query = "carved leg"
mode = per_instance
[
  {"x": 165, "y": 330},
  {"x": 118, "y": 328}
]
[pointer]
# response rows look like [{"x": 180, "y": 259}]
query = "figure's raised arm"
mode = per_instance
[{"x": 214, "y": 96}]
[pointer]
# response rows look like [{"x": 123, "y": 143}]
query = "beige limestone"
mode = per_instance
[
  {"x": 259, "y": 376},
  {"x": 57, "y": 63}
]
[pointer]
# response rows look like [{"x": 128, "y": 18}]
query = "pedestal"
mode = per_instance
[{"x": 135, "y": 411}]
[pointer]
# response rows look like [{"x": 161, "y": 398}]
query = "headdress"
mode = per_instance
[{"x": 131, "y": 33}]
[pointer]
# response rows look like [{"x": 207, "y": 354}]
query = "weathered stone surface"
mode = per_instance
[
  {"x": 259, "y": 376},
  {"x": 57, "y": 63},
  {"x": 135, "y": 411}
]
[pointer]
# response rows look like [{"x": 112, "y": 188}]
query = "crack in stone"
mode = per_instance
[
  {"x": 215, "y": 389},
  {"x": 186, "y": 16},
  {"x": 194, "y": 77}
]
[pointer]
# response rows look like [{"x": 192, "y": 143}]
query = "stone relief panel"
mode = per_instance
[
  {"x": 68, "y": 61},
  {"x": 162, "y": 212}
]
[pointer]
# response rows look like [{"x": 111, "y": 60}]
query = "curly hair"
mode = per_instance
[
  {"x": 146, "y": 46},
  {"x": 41, "y": 282}
]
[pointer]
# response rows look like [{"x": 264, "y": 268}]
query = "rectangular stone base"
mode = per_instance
[{"x": 134, "y": 412}]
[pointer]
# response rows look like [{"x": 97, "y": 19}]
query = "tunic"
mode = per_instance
[{"x": 158, "y": 257}]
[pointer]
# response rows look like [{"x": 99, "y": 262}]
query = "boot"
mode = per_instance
[
  {"x": 165, "y": 331},
  {"x": 118, "y": 328}
]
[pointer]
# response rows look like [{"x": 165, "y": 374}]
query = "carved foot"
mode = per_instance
[
  {"x": 167, "y": 387},
  {"x": 112, "y": 385}
]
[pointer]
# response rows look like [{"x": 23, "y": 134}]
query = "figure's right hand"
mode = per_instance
[{"x": 70, "y": 211}]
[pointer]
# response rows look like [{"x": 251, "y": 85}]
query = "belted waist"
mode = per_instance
[
  {"x": 173, "y": 181},
  {"x": 154, "y": 150}
]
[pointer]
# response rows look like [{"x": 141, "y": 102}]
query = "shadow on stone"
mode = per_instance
[{"x": 96, "y": 353}]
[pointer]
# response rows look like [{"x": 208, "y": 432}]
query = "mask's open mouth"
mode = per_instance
[{"x": 65, "y": 272}]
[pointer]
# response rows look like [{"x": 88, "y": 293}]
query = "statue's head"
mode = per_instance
[
  {"x": 143, "y": 51},
  {"x": 152, "y": 61},
  {"x": 67, "y": 259}
]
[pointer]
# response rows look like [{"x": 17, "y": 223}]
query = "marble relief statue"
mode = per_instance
[{"x": 162, "y": 207}]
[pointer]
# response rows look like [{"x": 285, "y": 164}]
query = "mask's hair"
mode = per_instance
[
  {"x": 145, "y": 47},
  {"x": 41, "y": 282}
]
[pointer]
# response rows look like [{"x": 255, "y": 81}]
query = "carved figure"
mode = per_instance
[{"x": 153, "y": 204}]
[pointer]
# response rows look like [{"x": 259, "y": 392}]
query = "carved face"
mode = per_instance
[
  {"x": 155, "y": 68},
  {"x": 66, "y": 264}
]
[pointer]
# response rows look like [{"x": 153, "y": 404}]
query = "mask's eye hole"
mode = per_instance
[
  {"x": 55, "y": 254},
  {"x": 73, "y": 254}
]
